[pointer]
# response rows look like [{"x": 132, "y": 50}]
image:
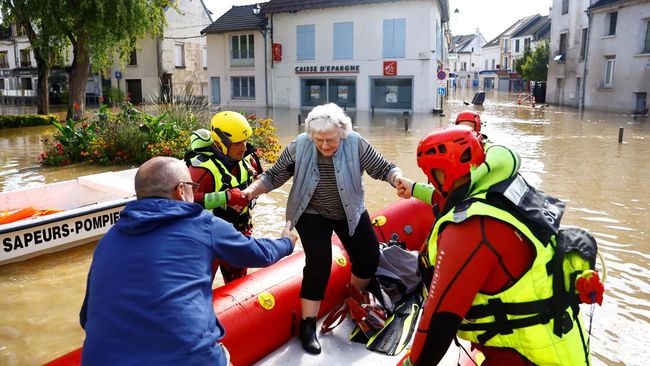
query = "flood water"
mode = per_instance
[{"x": 574, "y": 157}]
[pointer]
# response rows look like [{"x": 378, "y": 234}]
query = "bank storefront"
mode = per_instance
[{"x": 344, "y": 84}]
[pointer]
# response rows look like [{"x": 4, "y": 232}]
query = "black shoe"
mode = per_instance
[{"x": 308, "y": 336}]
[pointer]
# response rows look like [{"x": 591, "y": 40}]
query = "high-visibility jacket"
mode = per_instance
[
  {"x": 223, "y": 181},
  {"x": 532, "y": 316}
]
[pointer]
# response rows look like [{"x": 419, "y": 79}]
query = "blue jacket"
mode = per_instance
[{"x": 149, "y": 294}]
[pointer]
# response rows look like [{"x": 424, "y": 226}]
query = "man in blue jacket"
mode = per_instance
[{"x": 149, "y": 295}]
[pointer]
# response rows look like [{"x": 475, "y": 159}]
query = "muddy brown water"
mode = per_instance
[{"x": 573, "y": 156}]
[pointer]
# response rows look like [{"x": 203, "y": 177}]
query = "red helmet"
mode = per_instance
[
  {"x": 453, "y": 150},
  {"x": 469, "y": 116}
]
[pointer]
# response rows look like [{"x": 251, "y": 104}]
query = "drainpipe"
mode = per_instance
[
  {"x": 266, "y": 78},
  {"x": 159, "y": 66},
  {"x": 581, "y": 104}
]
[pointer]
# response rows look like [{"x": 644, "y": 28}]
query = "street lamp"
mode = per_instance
[{"x": 257, "y": 9}]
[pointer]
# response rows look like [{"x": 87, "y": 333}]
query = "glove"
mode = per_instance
[{"x": 236, "y": 198}]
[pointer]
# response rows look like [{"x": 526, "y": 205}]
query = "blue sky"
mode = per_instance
[{"x": 491, "y": 17}]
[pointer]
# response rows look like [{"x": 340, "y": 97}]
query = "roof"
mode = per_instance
[
  {"x": 460, "y": 42},
  {"x": 535, "y": 28},
  {"x": 238, "y": 18},
  {"x": 286, "y": 6},
  {"x": 511, "y": 31},
  {"x": 604, "y": 3}
]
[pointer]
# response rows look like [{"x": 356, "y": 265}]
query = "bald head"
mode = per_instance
[{"x": 158, "y": 177}]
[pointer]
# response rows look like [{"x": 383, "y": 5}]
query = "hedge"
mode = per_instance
[{"x": 26, "y": 120}]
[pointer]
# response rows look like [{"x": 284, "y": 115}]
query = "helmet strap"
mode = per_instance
[{"x": 225, "y": 140}]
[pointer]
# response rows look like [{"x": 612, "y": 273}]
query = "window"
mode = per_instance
[
  {"x": 486, "y": 64},
  {"x": 25, "y": 59},
  {"x": 391, "y": 93},
  {"x": 133, "y": 58},
  {"x": 306, "y": 49},
  {"x": 204, "y": 56},
  {"x": 583, "y": 44},
  {"x": 2, "y": 84},
  {"x": 26, "y": 83},
  {"x": 610, "y": 61},
  {"x": 180, "y": 55},
  {"x": 343, "y": 41},
  {"x": 561, "y": 53},
  {"x": 4, "y": 62},
  {"x": 526, "y": 44},
  {"x": 610, "y": 23},
  {"x": 394, "y": 38},
  {"x": 646, "y": 44},
  {"x": 517, "y": 46},
  {"x": 243, "y": 87},
  {"x": 20, "y": 31},
  {"x": 493, "y": 64},
  {"x": 463, "y": 66},
  {"x": 565, "y": 6},
  {"x": 242, "y": 51}
]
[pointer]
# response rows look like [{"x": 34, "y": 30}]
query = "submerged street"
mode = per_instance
[{"x": 575, "y": 157}]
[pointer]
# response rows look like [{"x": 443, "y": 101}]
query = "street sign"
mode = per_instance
[
  {"x": 118, "y": 74},
  {"x": 442, "y": 75},
  {"x": 441, "y": 91}
]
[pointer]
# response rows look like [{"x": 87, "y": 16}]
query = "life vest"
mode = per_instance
[
  {"x": 539, "y": 314},
  {"x": 224, "y": 180}
]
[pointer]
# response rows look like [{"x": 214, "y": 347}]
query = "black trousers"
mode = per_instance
[{"x": 316, "y": 236}]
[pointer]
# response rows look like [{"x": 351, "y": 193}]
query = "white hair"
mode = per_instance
[{"x": 326, "y": 118}]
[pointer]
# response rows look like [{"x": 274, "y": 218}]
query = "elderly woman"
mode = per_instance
[{"x": 327, "y": 163}]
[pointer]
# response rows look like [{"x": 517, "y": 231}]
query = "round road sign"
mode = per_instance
[{"x": 442, "y": 75}]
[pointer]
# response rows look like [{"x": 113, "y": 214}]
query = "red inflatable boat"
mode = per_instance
[{"x": 260, "y": 312}]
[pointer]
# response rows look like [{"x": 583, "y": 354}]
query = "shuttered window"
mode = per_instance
[
  {"x": 394, "y": 38},
  {"x": 305, "y": 49},
  {"x": 343, "y": 41}
]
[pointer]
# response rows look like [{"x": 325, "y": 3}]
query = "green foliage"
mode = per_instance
[
  {"x": 264, "y": 138},
  {"x": 115, "y": 96},
  {"x": 9, "y": 121},
  {"x": 535, "y": 67},
  {"x": 131, "y": 137},
  {"x": 522, "y": 60}
]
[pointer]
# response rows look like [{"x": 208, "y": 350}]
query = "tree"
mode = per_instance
[
  {"x": 522, "y": 60},
  {"x": 100, "y": 29},
  {"x": 48, "y": 46},
  {"x": 535, "y": 68}
]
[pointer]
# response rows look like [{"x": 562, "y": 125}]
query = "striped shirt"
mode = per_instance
[{"x": 326, "y": 200}]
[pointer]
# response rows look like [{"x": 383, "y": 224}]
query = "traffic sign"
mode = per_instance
[
  {"x": 118, "y": 74},
  {"x": 441, "y": 91},
  {"x": 442, "y": 75}
]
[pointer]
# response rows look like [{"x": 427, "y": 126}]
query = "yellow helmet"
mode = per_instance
[{"x": 229, "y": 127}]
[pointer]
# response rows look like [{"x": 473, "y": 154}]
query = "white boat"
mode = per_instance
[{"x": 90, "y": 206}]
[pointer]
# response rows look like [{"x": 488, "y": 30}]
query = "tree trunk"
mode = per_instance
[
  {"x": 43, "y": 103},
  {"x": 79, "y": 79}
]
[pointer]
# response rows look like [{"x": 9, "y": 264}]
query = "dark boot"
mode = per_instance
[{"x": 308, "y": 335}]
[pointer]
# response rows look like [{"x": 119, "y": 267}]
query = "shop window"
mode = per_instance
[
  {"x": 314, "y": 92},
  {"x": 243, "y": 87},
  {"x": 394, "y": 38},
  {"x": 343, "y": 41},
  {"x": 26, "y": 83},
  {"x": 306, "y": 49},
  {"x": 391, "y": 93}
]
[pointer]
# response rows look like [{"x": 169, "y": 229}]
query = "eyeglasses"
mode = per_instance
[{"x": 195, "y": 186}]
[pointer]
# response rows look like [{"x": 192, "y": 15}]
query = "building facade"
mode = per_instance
[
  {"x": 358, "y": 54},
  {"x": 465, "y": 59},
  {"x": 600, "y": 55},
  {"x": 18, "y": 75},
  {"x": 170, "y": 66}
]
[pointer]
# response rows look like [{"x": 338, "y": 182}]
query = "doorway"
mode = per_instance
[{"x": 134, "y": 90}]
